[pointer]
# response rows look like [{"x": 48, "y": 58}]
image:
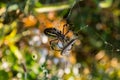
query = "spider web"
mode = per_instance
[{"x": 109, "y": 46}]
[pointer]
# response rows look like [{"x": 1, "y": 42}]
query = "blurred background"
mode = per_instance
[{"x": 25, "y": 52}]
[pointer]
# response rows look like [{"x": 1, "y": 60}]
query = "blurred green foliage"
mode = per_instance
[{"x": 25, "y": 52}]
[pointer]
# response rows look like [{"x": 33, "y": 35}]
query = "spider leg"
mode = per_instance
[
  {"x": 55, "y": 49},
  {"x": 52, "y": 47},
  {"x": 65, "y": 25},
  {"x": 65, "y": 39},
  {"x": 66, "y": 33},
  {"x": 64, "y": 29},
  {"x": 53, "y": 41}
]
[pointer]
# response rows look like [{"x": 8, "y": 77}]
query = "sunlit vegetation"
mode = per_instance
[{"x": 25, "y": 51}]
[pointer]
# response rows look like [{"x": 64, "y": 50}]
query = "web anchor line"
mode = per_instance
[{"x": 109, "y": 44}]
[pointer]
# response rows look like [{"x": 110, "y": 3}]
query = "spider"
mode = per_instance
[{"x": 60, "y": 37}]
